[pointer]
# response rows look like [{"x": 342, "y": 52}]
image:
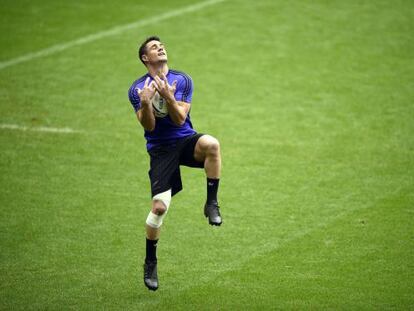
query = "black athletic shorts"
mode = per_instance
[{"x": 165, "y": 164}]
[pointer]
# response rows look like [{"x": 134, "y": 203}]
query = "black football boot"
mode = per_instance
[
  {"x": 211, "y": 210},
  {"x": 150, "y": 275}
]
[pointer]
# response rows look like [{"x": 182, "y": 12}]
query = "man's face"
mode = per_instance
[{"x": 155, "y": 52}]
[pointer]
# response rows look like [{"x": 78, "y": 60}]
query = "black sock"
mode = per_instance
[
  {"x": 151, "y": 251},
  {"x": 212, "y": 188}
]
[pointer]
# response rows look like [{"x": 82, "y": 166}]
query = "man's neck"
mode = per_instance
[{"x": 156, "y": 70}]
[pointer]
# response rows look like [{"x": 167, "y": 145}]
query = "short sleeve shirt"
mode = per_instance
[{"x": 165, "y": 132}]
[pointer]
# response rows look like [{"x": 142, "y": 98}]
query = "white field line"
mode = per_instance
[
  {"x": 64, "y": 130},
  {"x": 106, "y": 33}
]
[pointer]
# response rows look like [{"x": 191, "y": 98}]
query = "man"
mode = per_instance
[{"x": 162, "y": 100}]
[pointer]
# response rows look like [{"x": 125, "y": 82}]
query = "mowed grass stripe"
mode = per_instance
[
  {"x": 295, "y": 160},
  {"x": 269, "y": 246},
  {"x": 321, "y": 268},
  {"x": 107, "y": 33}
]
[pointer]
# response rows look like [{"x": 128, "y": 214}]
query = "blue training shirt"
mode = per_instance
[{"x": 166, "y": 132}]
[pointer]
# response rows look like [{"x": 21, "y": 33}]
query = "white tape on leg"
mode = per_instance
[
  {"x": 154, "y": 220},
  {"x": 164, "y": 197}
]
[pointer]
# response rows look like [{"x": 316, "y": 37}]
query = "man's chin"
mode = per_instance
[
  {"x": 159, "y": 62},
  {"x": 162, "y": 61}
]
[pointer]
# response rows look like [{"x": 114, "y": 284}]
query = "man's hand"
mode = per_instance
[
  {"x": 147, "y": 93},
  {"x": 145, "y": 114},
  {"x": 166, "y": 90}
]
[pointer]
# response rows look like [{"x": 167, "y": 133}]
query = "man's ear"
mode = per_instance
[{"x": 144, "y": 57}]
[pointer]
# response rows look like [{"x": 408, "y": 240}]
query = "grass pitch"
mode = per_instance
[{"x": 313, "y": 105}]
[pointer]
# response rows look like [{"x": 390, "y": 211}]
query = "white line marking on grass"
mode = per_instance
[
  {"x": 106, "y": 33},
  {"x": 64, "y": 130}
]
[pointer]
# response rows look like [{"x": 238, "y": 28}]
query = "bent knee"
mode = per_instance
[
  {"x": 212, "y": 145},
  {"x": 158, "y": 207}
]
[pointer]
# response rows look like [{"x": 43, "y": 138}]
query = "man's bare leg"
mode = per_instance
[
  {"x": 207, "y": 150},
  {"x": 153, "y": 228}
]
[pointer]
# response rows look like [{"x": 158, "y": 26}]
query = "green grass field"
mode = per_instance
[{"x": 313, "y": 103}]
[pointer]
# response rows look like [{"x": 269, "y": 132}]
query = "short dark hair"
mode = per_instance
[{"x": 143, "y": 47}]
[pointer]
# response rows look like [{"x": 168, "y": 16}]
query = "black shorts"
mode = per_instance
[{"x": 165, "y": 164}]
